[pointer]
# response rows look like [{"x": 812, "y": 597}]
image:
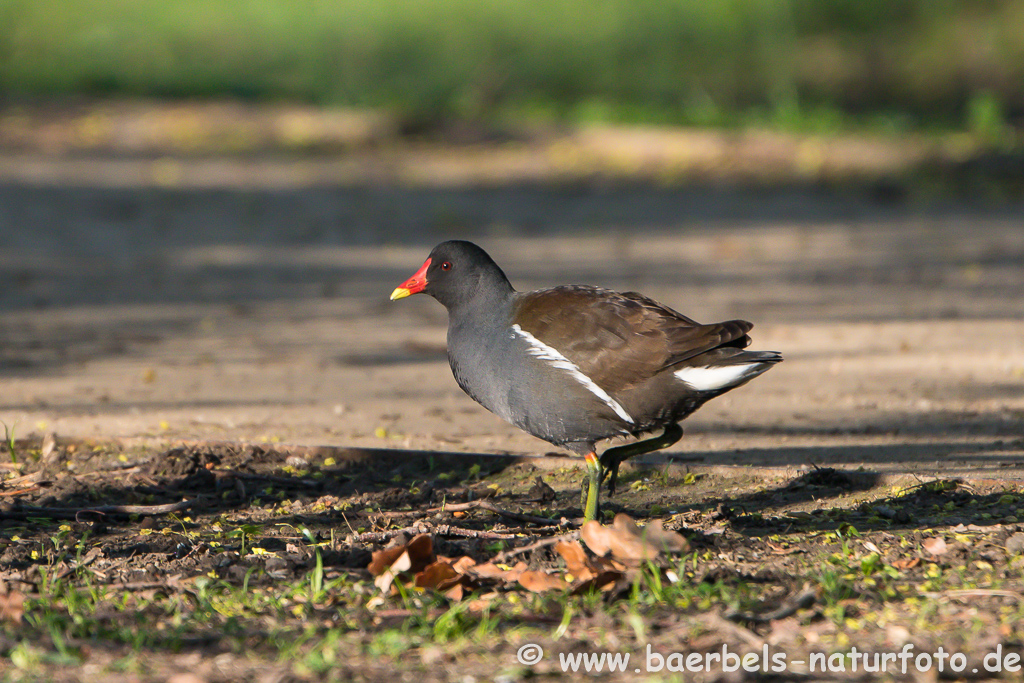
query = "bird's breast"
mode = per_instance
[{"x": 479, "y": 363}]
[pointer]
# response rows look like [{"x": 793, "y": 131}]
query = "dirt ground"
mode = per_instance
[
  {"x": 263, "y": 316},
  {"x": 220, "y": 326}
]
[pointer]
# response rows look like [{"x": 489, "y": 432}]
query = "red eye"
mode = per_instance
[{"x": 447, "y": 265}]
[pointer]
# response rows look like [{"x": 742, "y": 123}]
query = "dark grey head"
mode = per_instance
[{"x": 456, "y": 273}]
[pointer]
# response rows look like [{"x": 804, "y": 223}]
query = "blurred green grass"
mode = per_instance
[{"x": 810, "y": 65}]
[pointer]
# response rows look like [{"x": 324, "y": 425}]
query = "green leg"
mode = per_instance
[
  {"x": 613, "y": 457},
  {"x": 592, "y": 490}
]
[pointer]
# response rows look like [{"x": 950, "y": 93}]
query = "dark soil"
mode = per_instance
[{"x": 261, "y": 516}]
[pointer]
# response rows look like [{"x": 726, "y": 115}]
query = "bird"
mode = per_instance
[{"x": 578, "y": 364}]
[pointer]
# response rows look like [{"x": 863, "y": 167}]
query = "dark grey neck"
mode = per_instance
[
  {"x": 481, "y": 294},
  {"x": 487, "y": 303}
]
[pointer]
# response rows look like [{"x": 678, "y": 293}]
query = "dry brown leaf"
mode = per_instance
[
  {"x": 436, "y": 574},
  {"x": 382, "y": 559},
  {"x": 576, "y": 560},
  {"x": 454, "y": 593},
  {"x": 906, "y": 563},
  {"x": 664, "y": 539},
  {"x": 420, "y": 550},
  {"x": 538, "y": 582},
  {"x": 605, "y": 581},
  {"x": 463, "y": 564},
  {"x": 935, "y": 546},
  {"x": 780, "y": 550},
  {"x": 12, "y": 607},
  {"x": 607, "y": 564},
  {"x": 402, "y": 564},
  {"x": 629, "y": 543},
  {"x": 481, "y": 603},
  {"x": 414, "y": 556},
  {"x": 517, "y": 569},
  {"x": 489, "y": 570},
  {"x": 596, "y": 536}
]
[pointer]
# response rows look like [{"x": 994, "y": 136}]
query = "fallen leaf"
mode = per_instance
[
  {"x": 935, "y": 546},
  {"x": 402, "y": 564},
  {"x": 454, "y": 593},
  {"x": 604, "y": 582},
  {"x": 903, "y": 563},
  {"x": 667, "y": 540},
  {"x": 413, "y": 557},
  {"x": 436, "y": 574},
  {"x": 538, "y": 582},
  {"x": 12, "y": 607},
  {"x": 420, "y": 550},
  {"x": 489, "y": 570},
  {"x": 576, "y": 560},
  {"x": 780, "y": 550},
  {"x": 463, "y": 564},
  {"x": 629, "y": 543},
  {"x": 382, "y": 559},
  {"x": 481, "y": 603}
]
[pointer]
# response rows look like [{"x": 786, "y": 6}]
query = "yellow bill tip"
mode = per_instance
[{"x": 400, "y": 293}]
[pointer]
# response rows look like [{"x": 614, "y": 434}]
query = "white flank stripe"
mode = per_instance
[
  {"x": 709, "y": 379},
  {"x": 542, "y": 351}
]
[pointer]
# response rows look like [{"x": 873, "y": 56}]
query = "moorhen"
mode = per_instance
[{"x": 577, "y": 364}]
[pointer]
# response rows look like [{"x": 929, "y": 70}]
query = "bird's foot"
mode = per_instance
[{"x": 613, "y": 457}]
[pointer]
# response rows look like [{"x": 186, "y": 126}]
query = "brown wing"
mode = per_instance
[{"x": 619, "y": 339}]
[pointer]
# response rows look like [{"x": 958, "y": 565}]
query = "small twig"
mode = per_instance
[
  {"x": 347, "y": 523},
  {"x": 18, "y": 492},
  {"x": 448, "y": 530},
  {"x": 440, "y": 530},
  {"x": 543, "y": 543},
  {"x": 534, "y": 531},
  {"x": 491, "y": 507},
  {"x": 382, "y": 536},
  {"x": 24, "y": 512},
  {"x": 31, "y": 478}
]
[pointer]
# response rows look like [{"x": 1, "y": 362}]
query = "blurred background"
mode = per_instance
[
  {"x": 802, "y": 65},
  {"x": 189, "y": 189}
]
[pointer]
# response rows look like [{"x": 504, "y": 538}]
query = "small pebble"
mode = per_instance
[
  {"x": 885, "y": 511},
  {"x": 1015, "y": 543}
]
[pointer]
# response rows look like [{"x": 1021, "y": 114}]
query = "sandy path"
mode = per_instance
[{"x": 262, "y": 314}]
